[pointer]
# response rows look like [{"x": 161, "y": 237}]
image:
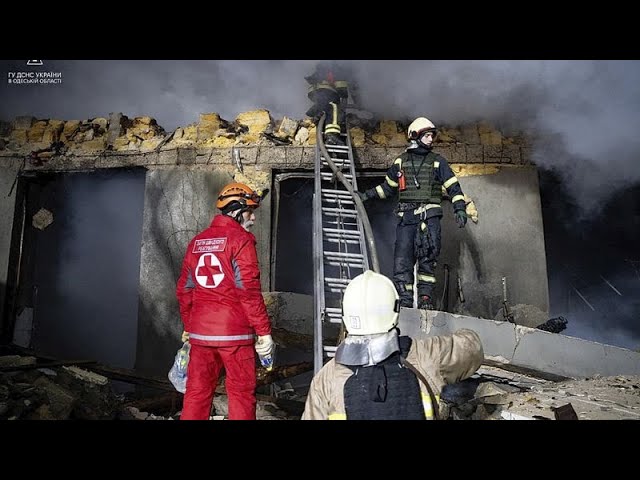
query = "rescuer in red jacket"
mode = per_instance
[{"x": 222, "y": 308}]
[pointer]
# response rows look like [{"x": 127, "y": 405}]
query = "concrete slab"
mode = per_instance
[{"x": 526, "y": 347}]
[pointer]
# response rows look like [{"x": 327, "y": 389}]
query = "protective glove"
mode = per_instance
[
  {"x": 185, "y": 336},
  {"x": 264, "y": 345},
  {"x": 363, "y": 196},
  {"x": 461, "y": 218}
]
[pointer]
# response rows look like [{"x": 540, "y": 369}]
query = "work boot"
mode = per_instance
[
  {"x": 333, "y": 139},
  {"x": 424, "y": 303},
  {"x": 406, "y": 303}
]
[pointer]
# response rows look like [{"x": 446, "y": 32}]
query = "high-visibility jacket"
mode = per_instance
[{"x": 218, "y": 290}]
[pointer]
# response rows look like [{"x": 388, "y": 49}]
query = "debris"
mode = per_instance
[
  {"x": 554, "y": 325},
  {"x": 565, "y": 412},
  {"x": 87, "y": 376},
  {"x": 42, "y": 219}
]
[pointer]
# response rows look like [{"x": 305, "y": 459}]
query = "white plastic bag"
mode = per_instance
[{"x": 178, "y": 373}]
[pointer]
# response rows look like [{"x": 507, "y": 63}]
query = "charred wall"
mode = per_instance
[{"x": 185, "y": 169}]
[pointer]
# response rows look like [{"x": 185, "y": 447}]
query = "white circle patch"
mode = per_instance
[{"x": 209, "y": 271}]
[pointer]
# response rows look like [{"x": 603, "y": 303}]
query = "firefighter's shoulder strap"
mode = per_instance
[{"x": 421, "y": 377}]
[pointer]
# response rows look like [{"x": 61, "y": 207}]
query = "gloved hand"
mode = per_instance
[
  {"x": 461, "y": 218},
  {"x": 185, "y": 336},
  {"x": 363, "y": 196},
  {"x": 264, "y": 345}
]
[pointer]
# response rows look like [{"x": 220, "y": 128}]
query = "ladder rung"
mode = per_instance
[
  {"x": 337, "y": 316},
  {"x": 337, "y": 193},
  {"x": 338, "y": 162},
  {"x": 341, "y": 223},
  {"x": 329, "y": 175},
  {"x": 337, "y": 236},
  {"x": 340, "y": 232},
  {"x": 345, "y": 263},
  {"x": 340, "y": 200},
  {"x": 343, "y": 281},
  {"x": 339, "y": 211},
  {"x": 337, "y": 148},
  {"x": 343, "y": 240},
  {"x": 357, "y": 256}
]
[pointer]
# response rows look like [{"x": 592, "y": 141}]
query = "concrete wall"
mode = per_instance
[
  {"x": 508, "y": 240},
  {"x": 179, "y": 203}
]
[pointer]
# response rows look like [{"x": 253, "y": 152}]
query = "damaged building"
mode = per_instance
[{"x": 97, "y": 214}]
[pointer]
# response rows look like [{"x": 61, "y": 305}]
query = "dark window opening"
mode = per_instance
[{"x": 75, "y": 295}]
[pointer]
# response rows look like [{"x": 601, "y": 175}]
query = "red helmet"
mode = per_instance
[{"x": 238, "y": 192}]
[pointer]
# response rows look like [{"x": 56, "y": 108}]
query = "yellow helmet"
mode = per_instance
[
  {"x": 370, "y": 304},
  {"x": 418, "y": 127}
]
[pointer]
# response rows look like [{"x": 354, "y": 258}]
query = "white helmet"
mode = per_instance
[
  {"x": 418, "y": 127},
  {"x": 370, "y": 304}
]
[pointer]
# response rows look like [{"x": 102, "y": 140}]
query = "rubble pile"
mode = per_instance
[
  {"x": 29, "y": 392},
  {"x": 495, "y": 394},
  {"x": 58, "y": 393},
  {"x": 44, "y": 138}
]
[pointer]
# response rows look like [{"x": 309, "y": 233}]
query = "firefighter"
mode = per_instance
[
  {"x": 417, "y": 176},
  {"x": 377, "y": 374},
  {"x": 222, "y": 308},
  {"x": 326, "y": 91}
]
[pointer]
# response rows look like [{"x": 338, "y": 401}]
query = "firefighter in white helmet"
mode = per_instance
[
  {"x": 377, "y": 374},
  {"x": 417, "y": 177}
]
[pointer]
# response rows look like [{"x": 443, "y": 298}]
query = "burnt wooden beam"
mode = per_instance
[
  {"x": 282, "y": 372},
  {"x": 525, "y": 371}
]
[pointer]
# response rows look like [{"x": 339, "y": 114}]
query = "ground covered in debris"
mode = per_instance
[
  {"x": 496, "y": 394},
  {"x": 67, "y": 392},
  {"x": 30, "y": 392}
]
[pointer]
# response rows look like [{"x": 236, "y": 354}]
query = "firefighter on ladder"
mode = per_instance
[{"x": 326, "y": 91}]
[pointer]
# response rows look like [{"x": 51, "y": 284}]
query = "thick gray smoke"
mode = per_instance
[{"x": 582, "y": 115}]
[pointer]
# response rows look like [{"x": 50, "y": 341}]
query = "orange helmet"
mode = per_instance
[{"x": 238, "y": 192}]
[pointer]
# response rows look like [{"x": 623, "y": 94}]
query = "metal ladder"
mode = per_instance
[{"x": 339, "y": 248}]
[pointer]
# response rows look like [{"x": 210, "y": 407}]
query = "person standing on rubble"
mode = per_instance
[
  {"x": 326, "y": 91},
  {"x": 417, "y": 176},
  {"x": 377, "y": 374},
  {"x": 222, "y": 308}
]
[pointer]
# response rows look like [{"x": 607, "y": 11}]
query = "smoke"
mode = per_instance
[
  {"x": 87, "y": 272},
  {"x": 580, "y": 115}
]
